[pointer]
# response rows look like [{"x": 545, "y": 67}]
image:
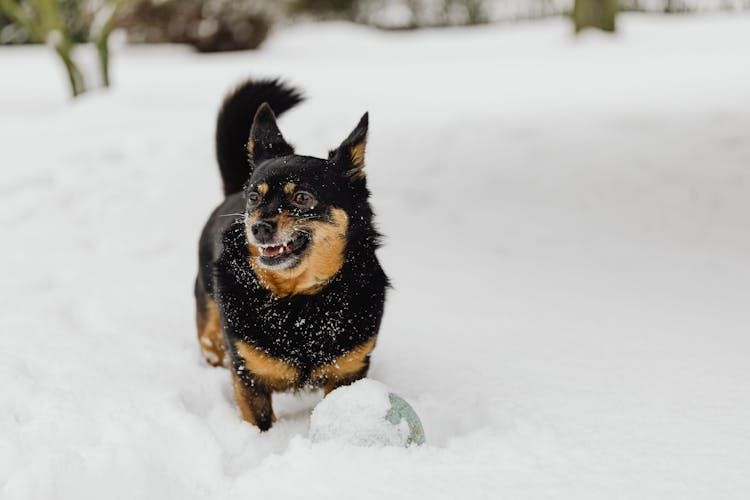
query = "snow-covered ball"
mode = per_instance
[{"x": 366, "y": 413}]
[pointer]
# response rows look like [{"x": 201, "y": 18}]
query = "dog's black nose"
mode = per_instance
[{"x": 263, "y": 230}]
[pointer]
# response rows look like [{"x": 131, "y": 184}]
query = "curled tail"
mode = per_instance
[{"x": 234, "y": 122}]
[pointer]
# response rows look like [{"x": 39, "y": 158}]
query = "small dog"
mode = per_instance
[{"x": 289, "y": 292}]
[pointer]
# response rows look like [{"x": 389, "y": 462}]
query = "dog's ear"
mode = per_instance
[
  {"x": 265, "y": 141},
  {"x": 350, "y": 155}
]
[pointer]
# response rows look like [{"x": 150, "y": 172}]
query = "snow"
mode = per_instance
[
  {"x": 566, "y": 228},
  {"x": 356, "y": 415}
]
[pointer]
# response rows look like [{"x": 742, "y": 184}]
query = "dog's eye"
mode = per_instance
[
  {"x": 253, "y": 198},
  {"x": 303, "y": 199}
]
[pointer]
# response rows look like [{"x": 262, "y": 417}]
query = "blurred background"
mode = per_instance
[{"x": 229, "y": 25}]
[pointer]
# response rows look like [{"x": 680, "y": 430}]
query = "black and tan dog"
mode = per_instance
[{"x": 289, "y": 291}]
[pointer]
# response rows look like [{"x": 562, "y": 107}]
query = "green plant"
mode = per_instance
[
  {"x": 599, "y": 14},
  {"x": 105, "y": 22},
  {"x": 62, "y": 25}
]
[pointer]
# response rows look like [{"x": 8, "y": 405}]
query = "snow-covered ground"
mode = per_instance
[{"x": 568, "y": 233}]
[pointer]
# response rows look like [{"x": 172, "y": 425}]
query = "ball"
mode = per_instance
[{"x": 366, "y": 413}]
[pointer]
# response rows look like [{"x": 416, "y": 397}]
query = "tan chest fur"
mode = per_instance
[{"x": 279, "y": 375}]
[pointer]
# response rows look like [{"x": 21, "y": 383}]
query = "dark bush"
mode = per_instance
[
  {"x": 330, "y": 9},
  {"x": 207, "y": 25}
]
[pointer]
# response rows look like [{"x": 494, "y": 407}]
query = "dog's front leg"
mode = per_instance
[
  {"x": 254, "y": 401},
  {"x": 334, "y": 384}
]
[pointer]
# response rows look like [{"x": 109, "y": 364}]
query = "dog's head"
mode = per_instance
[{"x": 300, "y": 208}]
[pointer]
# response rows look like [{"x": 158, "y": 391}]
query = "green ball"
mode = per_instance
[
  {"x": 401, "y": 410},
  {"x": 366, "y": 413}
]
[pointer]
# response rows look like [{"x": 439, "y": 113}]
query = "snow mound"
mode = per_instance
[{"x": 365, "y": 413}]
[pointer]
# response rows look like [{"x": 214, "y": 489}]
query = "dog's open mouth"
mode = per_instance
[{"x": 284, "y": 254}]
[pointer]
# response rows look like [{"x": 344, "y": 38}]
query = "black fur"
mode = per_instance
[
  {"x": 235, "y": 120},
  {"x": 304, "y": 330}
]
